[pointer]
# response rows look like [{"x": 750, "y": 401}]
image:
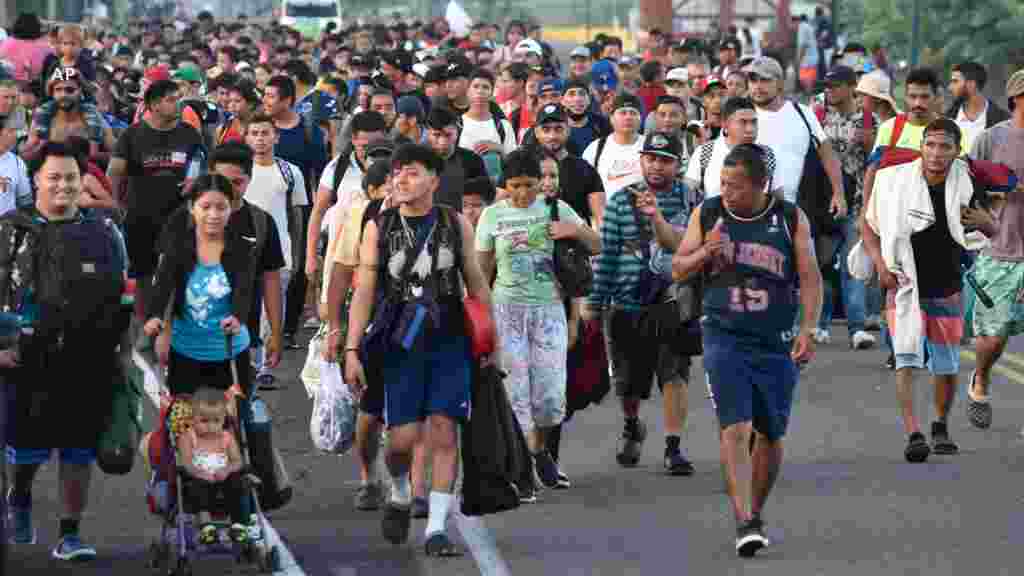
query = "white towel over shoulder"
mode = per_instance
[{"x": 900, "y": 207}]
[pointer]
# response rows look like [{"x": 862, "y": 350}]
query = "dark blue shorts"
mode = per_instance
[
  {"x": 749, "y": 384},
  {"x": 79, "y": 456},
  {"x": 433, "y": 381}
]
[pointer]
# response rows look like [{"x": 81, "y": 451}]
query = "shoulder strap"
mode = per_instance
[
  {"x": 792, "y": 216},
  {"x": 810, "y": 132},
  {"x": 706, "y": 150},
  {"x": 643, "y": 227},
  {"x": 500, "y": 128},
  {"x": 370, "y": 213},
  {"x": 307, "y": 128},
  {"x": 897, "y": 129},
  {"x": 260, "y": 224},
  {"x": 600, "y": 150},
  {"x": 384, "y": 220},
  {"x": 340, "y": 169},
  {"x": 289, "y": 179},
  {"x": 451, "y": 219}
]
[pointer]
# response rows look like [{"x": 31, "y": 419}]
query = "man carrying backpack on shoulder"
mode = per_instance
[
  {"x": 51, "y": 334},
  {"x": 412, "y": 263}
]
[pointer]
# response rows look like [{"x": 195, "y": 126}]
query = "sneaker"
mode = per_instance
[
  {"x": 633, "y": 436},
  {"x": 917, "y": 449},
  {"x": 941, "y": 443},
  {"x": 750, "y": 538},
  {"x": 72, "y": 548},
  {"x": 208, "y": 535},
  {"x": 267, "y": 381},
  {"x": 861, "y": 340},
  {"x": 676, "y": 464},
  {"x": 545, "y": 469},
  {"x": 563, "y": 480},
  {"x": 979, "y": 408},
  {"x": 20, "y": 519},
  {"x": 290, "y": 343},
  {"x": 369, "y": 497},
  {"x": 254, "y": 530},
  {"x": 527, "y": 495},
  {"x": 239, "y": 533},
  {"x": 395, "y": 524},
  {"x": 822, "y": 336},
  {"x": 420, "y": 508}
]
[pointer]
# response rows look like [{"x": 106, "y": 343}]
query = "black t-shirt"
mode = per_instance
[
  {"x": 463, "y": 165},
  {"x": 272, "y": 256},
  {"x": 578, "y": 180},
  {"x": 158, "y": 164},
  {"x": 936, "y": 254}
]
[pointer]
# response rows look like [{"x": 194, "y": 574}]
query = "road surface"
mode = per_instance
[{"x": 846, "y": 502}]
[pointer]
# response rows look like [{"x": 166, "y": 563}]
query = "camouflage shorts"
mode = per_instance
[{"x": 1004, "y": 283}]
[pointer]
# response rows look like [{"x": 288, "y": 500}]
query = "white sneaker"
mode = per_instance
[
  {"x": 822, "y": 336},
  {"x": 861, "y": 340}
]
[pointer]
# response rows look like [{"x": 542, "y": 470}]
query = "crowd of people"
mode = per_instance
[{"x": 678, "y": 204}]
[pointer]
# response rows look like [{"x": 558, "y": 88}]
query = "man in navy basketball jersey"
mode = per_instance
[{"x": 752, "y": 250}]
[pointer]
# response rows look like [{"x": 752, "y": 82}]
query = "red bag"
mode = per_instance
[
  {"x": 589, "y": 381},
  {"x": 479, "y": 327}
]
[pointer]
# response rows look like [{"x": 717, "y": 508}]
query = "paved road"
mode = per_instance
[{"x": 846, "y": 503}]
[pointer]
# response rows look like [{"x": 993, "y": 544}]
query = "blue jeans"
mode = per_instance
[{"x": 854, "y": 290}]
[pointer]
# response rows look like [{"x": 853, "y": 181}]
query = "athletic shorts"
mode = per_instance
[
  {"x": 943, "y": 329},
  {"x": 639, "y": 350},
  {"x": 534, "y": 341},
  {"x": 1004, "y": 283},
  {"x": 186, "y": 375},
  {"x": 435, "y": 380},
  {"x": 750, "y": 384},
  {"x": 78, "y": 456}
]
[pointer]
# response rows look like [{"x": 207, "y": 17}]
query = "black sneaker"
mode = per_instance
[
  {"x": 546, "y": 469},
  {"x": 941, "y": 443},
  {"x": 917, "y": 449},
  {"x": 633, "y": 436},
  {"x": 563, "y": 480},
  {"x": 750, "y": 538},
  {"x": 290, "y": 342},
  {"x": 527, "y": 495},
  {"x": 676, "y": 464},
  {"x": 395, "y": 524}
]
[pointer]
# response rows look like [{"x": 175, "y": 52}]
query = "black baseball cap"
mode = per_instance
[
  {"x": 663, "y": 144},
  {"x": 435, "y": 75},
  {"x": 551, "y": 113},
  {"x": 841, "y": 75},
  {"x": 459, "y": 69},
  {"x": 627, "y": 100}
]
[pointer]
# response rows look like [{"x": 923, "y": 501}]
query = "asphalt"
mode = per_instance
[{"x": 846, "y": 502}]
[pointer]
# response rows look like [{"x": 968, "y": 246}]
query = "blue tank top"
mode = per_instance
[{"x": 750, "y": 290}]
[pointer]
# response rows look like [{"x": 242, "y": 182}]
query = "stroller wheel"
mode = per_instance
[
  {"x": 184, "y": 568},
  {"x": 157, "y": 556}
]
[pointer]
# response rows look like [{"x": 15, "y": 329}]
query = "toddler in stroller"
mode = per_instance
[{"x": 213, "y": 465}]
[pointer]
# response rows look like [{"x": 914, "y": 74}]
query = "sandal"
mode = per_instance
[
  {"x": 208, "y": 534},
  {"x": 440, "y": 546},
  {"x": 979, "y": 408}
]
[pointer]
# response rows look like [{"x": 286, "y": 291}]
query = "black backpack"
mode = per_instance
[{"x": 74, "y": 274}]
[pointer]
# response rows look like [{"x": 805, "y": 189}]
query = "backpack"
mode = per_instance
[
  {"x": 814, "y": 195},
  {"x": 74, "y": 273},
  {"x": 285, "y": 168}
]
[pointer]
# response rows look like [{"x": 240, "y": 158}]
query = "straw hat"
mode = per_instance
[{"x": 877, "y": 85}]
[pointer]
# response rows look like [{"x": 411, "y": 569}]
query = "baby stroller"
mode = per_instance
[{"x": 178, "y": 546}]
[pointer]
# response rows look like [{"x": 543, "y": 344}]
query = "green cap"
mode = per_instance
[{"x": 187, "y": 74}]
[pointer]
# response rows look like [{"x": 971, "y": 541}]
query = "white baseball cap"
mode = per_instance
[
  {"x": 529, "y": 45},
  {"x": 678, "y": 74}
]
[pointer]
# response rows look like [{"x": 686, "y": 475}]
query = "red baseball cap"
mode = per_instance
[{"x": 158, "y": 73}]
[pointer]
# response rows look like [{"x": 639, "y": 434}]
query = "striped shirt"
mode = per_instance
[{"x": 618, "y": 268}]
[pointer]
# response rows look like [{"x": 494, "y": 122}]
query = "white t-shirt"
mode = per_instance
[
  {"x": 713, "y": 176},
  {"x": 971, "y": 128},
  {"x": 619, "y": 166},
  {"x": 267, "y": 190},
  {"x": 351, "y": 185},
  {"x": 786, "y": 134},
  {"x": 474, "y": 131}
]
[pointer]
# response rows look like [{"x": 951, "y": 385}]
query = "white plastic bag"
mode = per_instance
[
  {"x": 310, "y": 374},
  {"x": 333, "y": 422}
]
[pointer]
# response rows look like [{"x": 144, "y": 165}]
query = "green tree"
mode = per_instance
[{"x": 990, "y": 31}]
